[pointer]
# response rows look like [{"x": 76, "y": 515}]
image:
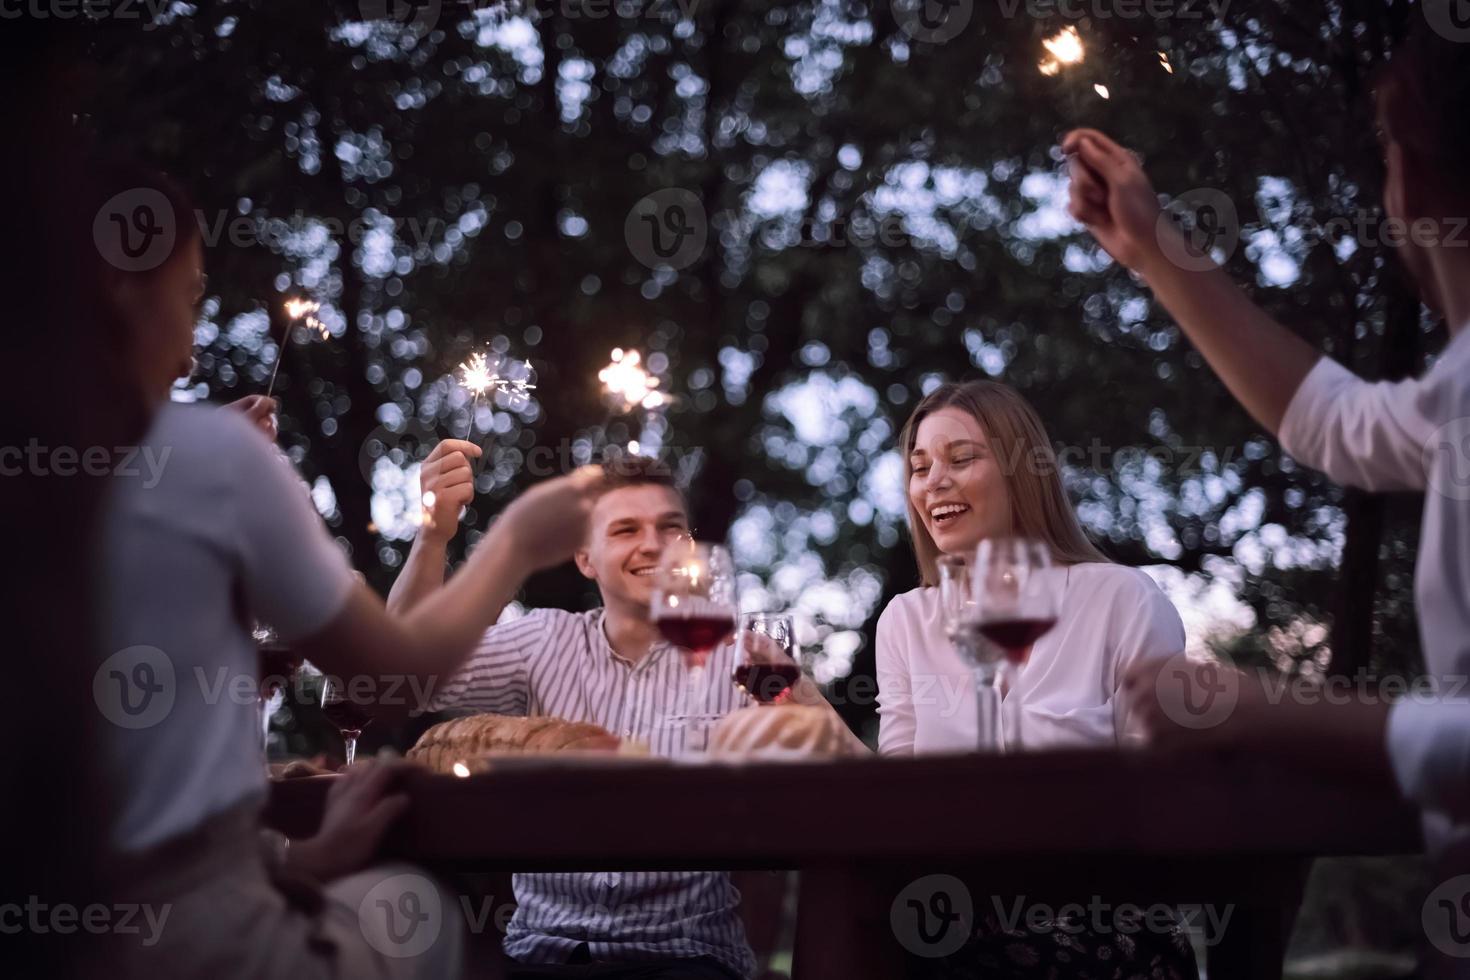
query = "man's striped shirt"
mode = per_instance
[{"x": 557, "y": 663}]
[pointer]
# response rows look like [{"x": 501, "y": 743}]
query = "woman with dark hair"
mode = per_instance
[
  {"x": 209, "y": 530},
  {"x": 978, "y": 465}
]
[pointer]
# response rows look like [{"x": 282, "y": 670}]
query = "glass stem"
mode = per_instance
[
  {"x": 349, "y": 748},
  {"x": 1013, "y": 681},
  {"x": 987, "y": 704}
]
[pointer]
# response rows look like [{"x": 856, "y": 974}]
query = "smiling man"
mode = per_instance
[{"x": 610, "y": 667}]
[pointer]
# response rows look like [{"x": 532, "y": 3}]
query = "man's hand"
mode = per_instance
[
  {"x": 259, "y": 411},
  {"x": 358, "y": 813},
  {"x": 1113, "y": 197},
  {"x": 447, "y": 474},
  {"x": 548, "y": 522}
]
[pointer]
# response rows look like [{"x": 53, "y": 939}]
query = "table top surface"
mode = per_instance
[{"x": 1059, "y": 804}]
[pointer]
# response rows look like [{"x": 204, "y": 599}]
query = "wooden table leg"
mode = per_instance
[
  {"x": 1254, "y": 942},
  {"x": 842, "y": 927}
]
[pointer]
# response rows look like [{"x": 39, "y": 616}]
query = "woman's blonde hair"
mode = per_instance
[{"x": 1018, "y": 442}]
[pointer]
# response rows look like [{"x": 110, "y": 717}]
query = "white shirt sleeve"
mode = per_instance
[
  {"x": 296, "y": 578},
  {"x": 1429, "y": 746},
  {"x": 896, "y": 723},
  {"x": 1143, "y": 625},
  {"x": 496, "y": 677},
  {"x": 1361, "y": 434}
]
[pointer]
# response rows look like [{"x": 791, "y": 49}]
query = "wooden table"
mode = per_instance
[{"x": 1140, "y": 827}]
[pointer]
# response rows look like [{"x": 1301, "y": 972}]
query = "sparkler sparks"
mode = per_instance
[
  {"x": 303, "y": 311},
  {"x": 481, "y": 376},
  {"x": 1063, "y": 50},
  {"x": 626, "y": 385},
  {"x": 475, "y": 375}
]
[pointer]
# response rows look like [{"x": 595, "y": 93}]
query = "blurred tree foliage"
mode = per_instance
[{"x": 883, "y": 213}]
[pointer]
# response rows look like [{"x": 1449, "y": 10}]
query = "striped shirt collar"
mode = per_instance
[{"x": 655, "y": 652}]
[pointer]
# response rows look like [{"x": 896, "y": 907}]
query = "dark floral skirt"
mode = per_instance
[{"x": 1065, "y": 949}]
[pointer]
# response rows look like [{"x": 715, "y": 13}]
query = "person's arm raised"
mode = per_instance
[
  {"x": 540, "y": 529},
  {"x": 448, "y": 475},
  {"x": 1261, "y": 362}
]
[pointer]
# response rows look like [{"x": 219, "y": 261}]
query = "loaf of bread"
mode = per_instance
[
  {"x": 780, "y": 731},
  {"x": 461, "y": 739}
]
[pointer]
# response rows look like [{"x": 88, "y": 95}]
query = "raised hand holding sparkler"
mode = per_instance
[{"x": 447, "y": 486}]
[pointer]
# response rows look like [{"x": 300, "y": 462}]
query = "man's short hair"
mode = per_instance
[{"x": 626, "y": 470}]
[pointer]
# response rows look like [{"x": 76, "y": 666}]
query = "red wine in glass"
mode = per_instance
[
  {"x": 1016, "y": 635},
  {"x": 696, "y": 635},
  {"x": 767, "y": 683},
  {"x": 348, "y": 718}
]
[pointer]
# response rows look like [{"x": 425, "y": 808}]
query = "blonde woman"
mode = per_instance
[{"x": 978, "y": 464}]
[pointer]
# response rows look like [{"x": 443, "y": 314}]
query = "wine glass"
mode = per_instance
[
  {"x": 693, "y": 605},
  {"x": 349, "y": 717},
  {"x": 1017, "y": 599},
  {"x": 770, "y": 675},
  {"x": 960, "y": 612}
]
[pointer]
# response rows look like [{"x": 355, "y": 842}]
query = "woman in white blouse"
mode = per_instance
[{"x": 978, "y": 465}]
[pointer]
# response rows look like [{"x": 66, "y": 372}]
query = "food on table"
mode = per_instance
[
  {"x": 782, "y": 731},
  {"x": 461, "y": 739},
  {"x": 300, "y": 768}
]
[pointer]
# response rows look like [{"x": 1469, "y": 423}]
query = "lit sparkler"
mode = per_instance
[
  {"x": 1063, "y": 50},
  {"x": 506, "y": 382},
  {"x": 627, "y": 385},
  {"x": 303, "y": 311}
]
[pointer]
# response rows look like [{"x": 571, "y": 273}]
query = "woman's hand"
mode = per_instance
[
  {"x": 358, "y": 813},
  {"x": 259, "y": 411},
  {"x": 1113, "y": 197},
  {"x": 447, "y": 474}
]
